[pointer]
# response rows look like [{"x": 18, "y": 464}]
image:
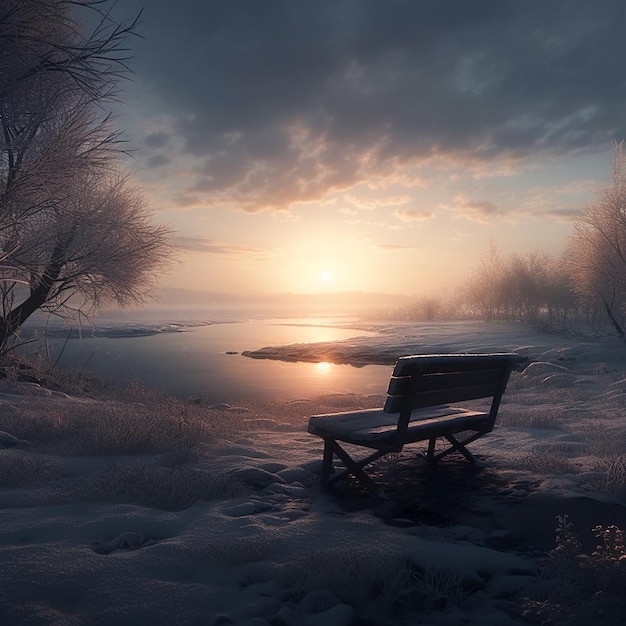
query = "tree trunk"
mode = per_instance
[
  {"x": 609, "y": 311},
  {"x": 39, "y": 294}
]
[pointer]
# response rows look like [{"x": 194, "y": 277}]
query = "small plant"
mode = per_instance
[
  {"x": 564, "y": 558},
  {"x": 607, "y": 563},
  {"x": 438, "y": 586},
  {"x": 574, "y": 588}
]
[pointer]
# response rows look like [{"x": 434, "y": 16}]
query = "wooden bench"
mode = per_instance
[{"x": 422, "y": 404}]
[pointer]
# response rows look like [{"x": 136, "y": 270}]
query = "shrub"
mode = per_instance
[{"x": 574, "y": 588}]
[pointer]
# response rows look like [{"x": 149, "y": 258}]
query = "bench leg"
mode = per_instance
[
  {"x": 353, "y": 468},
  {"x": 430, "y": 455},
  {"x": 456, "y": 446},
  {"x": 327, "y": 463},
  {"x": 460, "y": 447}
]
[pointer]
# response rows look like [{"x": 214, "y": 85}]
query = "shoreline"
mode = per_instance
[{"x": 392, "y": 341}]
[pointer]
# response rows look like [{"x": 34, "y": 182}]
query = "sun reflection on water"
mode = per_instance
[{"x": 323, "y": 368}]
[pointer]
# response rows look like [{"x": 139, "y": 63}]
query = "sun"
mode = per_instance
[{"x": 326, "y": 276}]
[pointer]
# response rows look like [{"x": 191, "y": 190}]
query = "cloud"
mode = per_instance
[
  {"x": 157, "y": 140},
  {"x": 210, "y": 246},
  {"x": 475, "y": 210},
  {"x": 285, "y": 101},
  {"x": 563, "y": 214},
  {"x": 370, "y": 203},
  {"x": 412, "y": 215},
  {"x": 552, "y": 201},
  {"x": 349, "y": 212},
  {"x": 393, "y": 247},
  {"x": 158, "y": 160},
  {"x": 188, "y": 202}
]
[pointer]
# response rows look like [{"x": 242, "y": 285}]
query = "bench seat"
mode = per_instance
[{"x": 376, "y": 428}]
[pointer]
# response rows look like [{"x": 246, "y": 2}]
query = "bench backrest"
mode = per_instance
[{"x": 434, "y": 379}]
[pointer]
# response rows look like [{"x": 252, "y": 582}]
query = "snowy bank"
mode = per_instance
[{"x": 213, "y": 514}]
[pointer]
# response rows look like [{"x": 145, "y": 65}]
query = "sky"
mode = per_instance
[{"x": 310, "y": 146}]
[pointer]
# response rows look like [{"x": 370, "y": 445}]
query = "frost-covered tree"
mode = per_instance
[
  {"x": 597, "y": 248},
  {"x": 484, "y": 288},
  {"x": 74, "y": 233},
  {"x": 525, "y": 284},
  {"x": 562, "y": 307}
]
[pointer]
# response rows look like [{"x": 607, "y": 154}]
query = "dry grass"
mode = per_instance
[
  {"x": 549, "y": 418},
  {"x": 19, "y": 469},
  {"x": 169, "y": 489},
  {"x": 616, "y": 477},
  {"x": 101, "y": 419},
  {"x": 143, "y": 422},
  {"x": 609, "y": 477},
  {"x": 604, "y": 440},
  {"x": 386, "y": 582},
  {"x": 107, "y": 428},
  {"x": 545, "y": 463}
]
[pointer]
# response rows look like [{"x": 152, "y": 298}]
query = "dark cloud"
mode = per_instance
[
  {"x": 157, "y": 140},
  {"x": 158, "y": 160},
  {"x": 281, "y": 101}
]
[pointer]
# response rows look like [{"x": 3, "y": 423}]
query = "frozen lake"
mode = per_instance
[{"x": 198, "y": 361}]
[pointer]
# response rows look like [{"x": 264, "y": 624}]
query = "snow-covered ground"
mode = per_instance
[{"x": 240, "y": 533}]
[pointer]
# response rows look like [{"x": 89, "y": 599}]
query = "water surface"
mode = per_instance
[{"x": 205, "y": 361}]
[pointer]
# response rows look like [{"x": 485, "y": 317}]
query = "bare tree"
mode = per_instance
[
  {"x": 560, "y": 298},
  {"x": 484, "y": 288},
  {"x": 597, "y": 248},
  {"x": 525, "y": 285},
  {"x": 74, "y": 233}
]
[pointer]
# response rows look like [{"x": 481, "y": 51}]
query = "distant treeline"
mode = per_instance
[{"x": 536, "y": 288}]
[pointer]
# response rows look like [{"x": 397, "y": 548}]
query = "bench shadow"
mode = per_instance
[{"x": 511, "y": 512}]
